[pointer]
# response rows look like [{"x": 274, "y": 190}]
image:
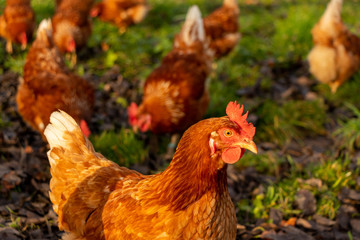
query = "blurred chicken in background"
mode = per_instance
[
  {"x": 71, "y": 24},
  {"x": 175, "y": 93},
  {"x": 222, "y": 28},
  {"x": 17, "y": 23},
  {"x": 48, "y": 85},
  {"x": 335, "y": 56},
  {"x": 122, "y": 13}
]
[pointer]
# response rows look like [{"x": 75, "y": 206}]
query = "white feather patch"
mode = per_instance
[
  {"x": 60, "y": 122},
  {"x": 45, "y": 25},
  {"x": 332, "y": 12},
  {"x": 193, "y": 28}
]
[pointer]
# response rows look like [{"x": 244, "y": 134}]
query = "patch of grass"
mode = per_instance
[
  {"x": 43, "y": 9},
  {"x": 3, "y": 122},
  {"x": 334, "y": 175},
  {"x": 294, "y": 119},
  {"x": 221, "y": 95},
  {"x": 265, "y": 163},
  {"x": 122, "y": 147},
  {"x": 348, "y": 92},
  {"x": 15, "y": 62},
  {"x": 292, "y": 38},
  {"x": 348, "y": 134}
]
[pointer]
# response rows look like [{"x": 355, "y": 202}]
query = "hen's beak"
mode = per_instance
[{"x": 247, "y": 144}]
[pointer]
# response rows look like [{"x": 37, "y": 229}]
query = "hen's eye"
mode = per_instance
[{"x": 228, "y": 133}]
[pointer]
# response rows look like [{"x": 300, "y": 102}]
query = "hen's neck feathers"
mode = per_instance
[{"x": 193, "y": 172}]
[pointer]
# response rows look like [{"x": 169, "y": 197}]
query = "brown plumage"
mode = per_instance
[
  {"x": 122, "y": 13},
  {"x": 222, "y": 28},
  {"x": 335, "y": 56},
  {"x": 17, "y": 23},
  {"x": 175, "y": 93},
  {"x": 97, "y": 199},
  {"x": 48, "y": 85},
  {"x": 72, "y": 24}
]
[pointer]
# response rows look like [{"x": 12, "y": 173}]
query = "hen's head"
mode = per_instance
[
  {"x": 64, "y": 36},
  {"x": 233, "y": 136},
  {"x": 137, "y": 119},
  {"x": 225, "y": 139},
  {"x": 22, "y": 38},
  {"x": 70, "y": 45},
  {"x": 96, "y": 9}
]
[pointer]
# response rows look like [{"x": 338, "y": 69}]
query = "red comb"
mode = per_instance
[
  {"x": 71, "y": 47},
  {"x": 234, "y": 112},
  {"x": 94, "y": 12},
  {"x": 23, "y": 38},
  {"x": 85, "y": 128},
  {"x": 132, "y": 112}
]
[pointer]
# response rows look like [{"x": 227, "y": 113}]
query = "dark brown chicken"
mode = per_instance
[
  {"x": 17, "y": 23},
  {"x": 222, "y": 28},
  {"x": 48, "y": 85},
  {"x": 97, "y": 199},
  {"x": 72, "y": 24}
]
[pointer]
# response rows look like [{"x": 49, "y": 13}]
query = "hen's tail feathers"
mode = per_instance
[
  {"x": 139, "y": 12},
  {"x": 73, "y": 161},
  {"x": 332, "y": 12},
  {"x": 61, "y": 124},
  {"x": 193, "y": 28},
  {"x": 45, "y": 29}
]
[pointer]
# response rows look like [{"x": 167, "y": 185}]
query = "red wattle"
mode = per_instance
[{"x": 231, "y": 155}]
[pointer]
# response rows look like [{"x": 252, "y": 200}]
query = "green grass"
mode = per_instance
[
  {"x": 123, "y": 147},
  {"x": 266, "y": 163},
  {"x": 334, "y": 175},
  {"x": 279, "y": 123},
  {"x": 348, "y": 134}
]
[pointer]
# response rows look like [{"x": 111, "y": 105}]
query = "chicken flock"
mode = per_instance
[{"x": 94, "y": 197}]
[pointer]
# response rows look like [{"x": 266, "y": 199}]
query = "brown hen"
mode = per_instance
[
  {"x": 335, "y": 56},
  {"x": 17, "y": 23},
  {"x": 97, "y": 199},
  {"x": 175, "y": 93},
  {"x": 122, "y": 13},
  {"x": 48, "y": 85},
  {"x": 222, "y": 28},
  {"x": 72, "y": 24}
]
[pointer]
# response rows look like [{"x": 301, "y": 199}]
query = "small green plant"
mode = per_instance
[
  {"x": 122, "y": 147},
  {"x": 15, "y": 63},
  {"x": 3, "y": 123},
  {"x": 348, "y": 134}
]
